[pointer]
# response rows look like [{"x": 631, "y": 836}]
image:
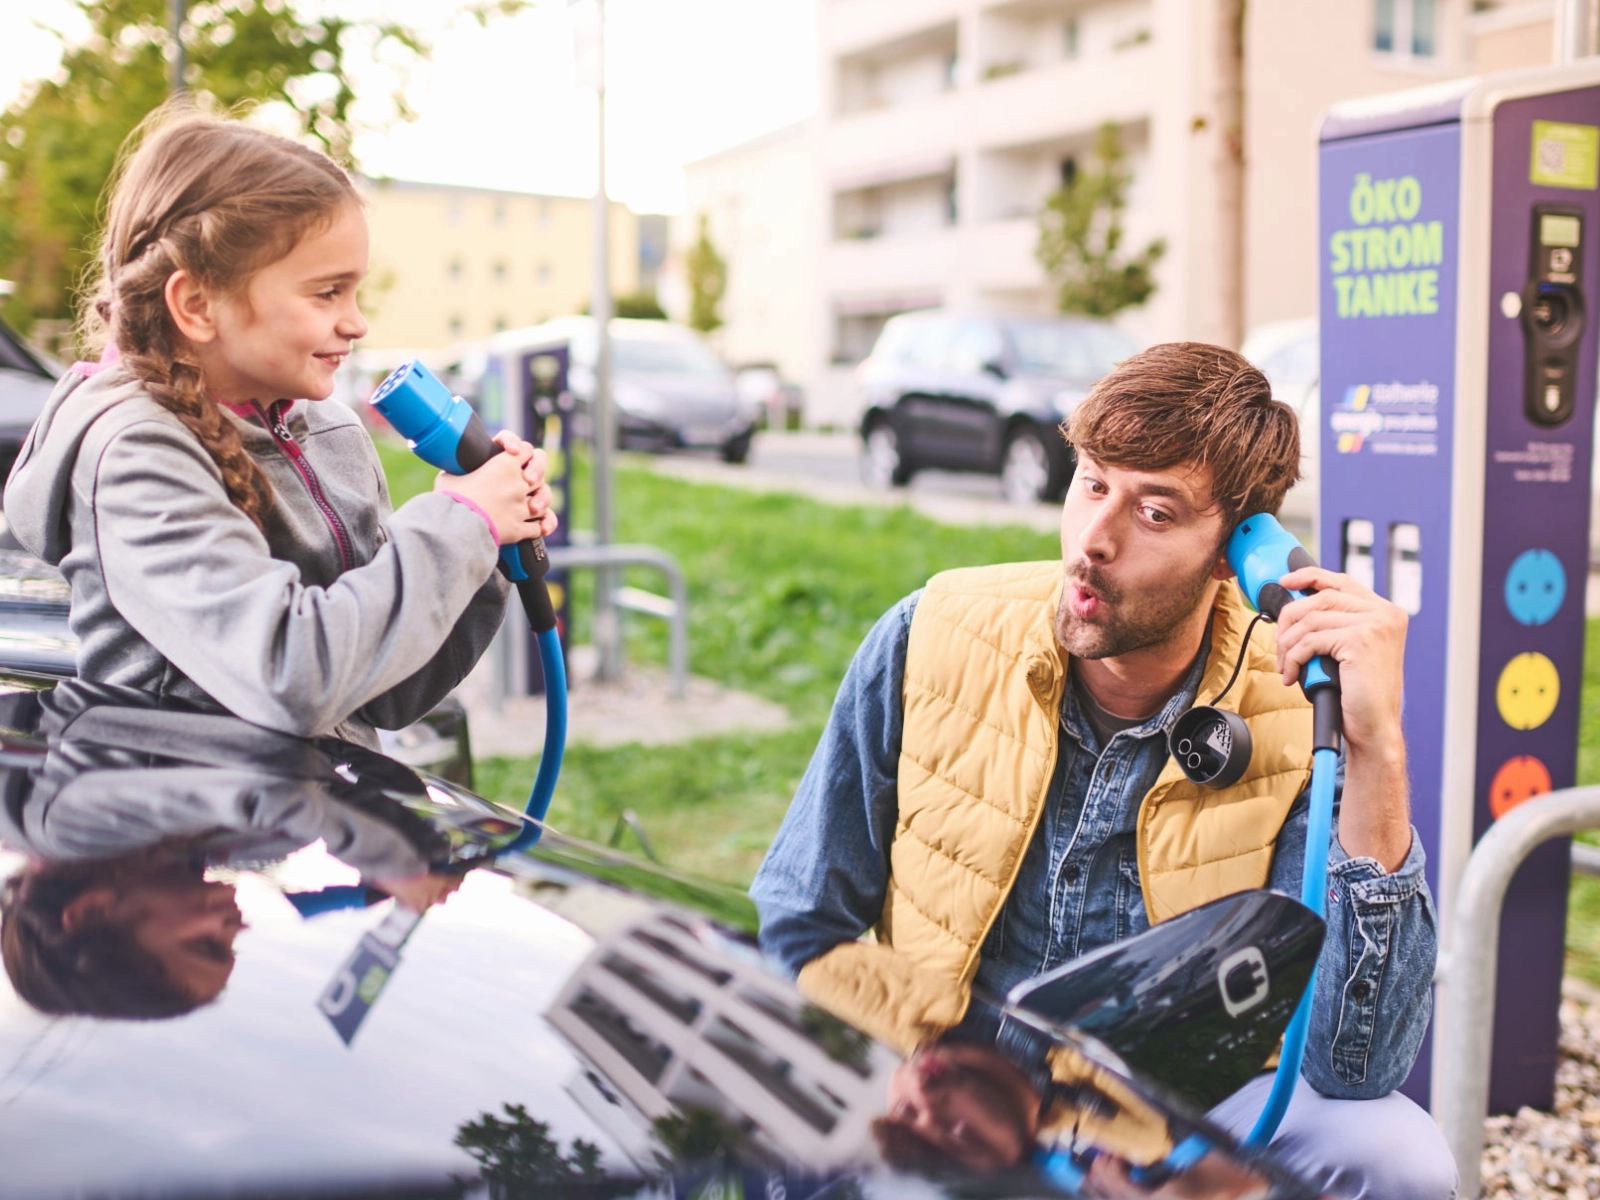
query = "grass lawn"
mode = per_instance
[{"x": 781, "y": 591}]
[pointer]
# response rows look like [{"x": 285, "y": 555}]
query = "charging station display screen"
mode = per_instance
[{"x": 1558, "y": 231}]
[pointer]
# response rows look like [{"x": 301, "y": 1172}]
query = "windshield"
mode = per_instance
[
  {"x": 665, "y": 358},
  {"x": 1083, "y": 351}
]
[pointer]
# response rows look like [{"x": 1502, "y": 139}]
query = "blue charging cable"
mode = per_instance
[
  {"x": 1261, "y": 552},
  {"x": 444, "y": 432}
]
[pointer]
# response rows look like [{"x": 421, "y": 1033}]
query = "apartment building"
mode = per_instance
[
  {"x": 758, "y": 199},
  {"x": 944, "y": 124},
  {"x": 453, "y": 264}
]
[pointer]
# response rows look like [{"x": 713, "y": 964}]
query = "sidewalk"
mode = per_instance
[{"x": 638, "y": 708}]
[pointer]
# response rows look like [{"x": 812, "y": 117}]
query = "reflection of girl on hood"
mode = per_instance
[
  {"x": 139, "y": 937},
  {"x": 113, "y": 916}
]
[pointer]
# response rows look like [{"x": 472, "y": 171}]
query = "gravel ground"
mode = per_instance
[{"x": 1555, "y": 1154}]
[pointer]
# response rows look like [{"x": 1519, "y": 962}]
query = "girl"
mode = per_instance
[{"x": 227, "y": 536}]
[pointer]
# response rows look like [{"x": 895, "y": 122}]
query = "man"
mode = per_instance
[{"x": 993, "y": 793}]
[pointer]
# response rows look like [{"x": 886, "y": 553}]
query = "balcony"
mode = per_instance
[
  {"x": 1067, "y": 98},
  {"x": 850, "y": 27},
  {"x": 904, "y": 71}
]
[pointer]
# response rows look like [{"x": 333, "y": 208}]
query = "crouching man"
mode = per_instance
[{"x": 993, "y": 793}]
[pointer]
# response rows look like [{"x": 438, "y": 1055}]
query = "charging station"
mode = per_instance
[
  {"x": 1459, "y": 246},
  {"x": 521, "y": 385}
]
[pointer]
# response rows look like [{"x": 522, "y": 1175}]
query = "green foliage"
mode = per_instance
[
  {"x": 708, "y": 280},
  {"x": 694, "y": 1135},
  {"x": 640, "y": 306},
  {"x": 1080, "y": 239},
  {"x": 518, "y": 1158},
  {"x": 59, "y": 140}
]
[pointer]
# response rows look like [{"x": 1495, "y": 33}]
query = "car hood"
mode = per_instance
[
  {"x": 677, "y": 397},
  {"x": 571, "y": 1021}
]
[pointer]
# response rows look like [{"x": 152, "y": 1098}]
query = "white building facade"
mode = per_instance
[{"x": 943, "y": 126}]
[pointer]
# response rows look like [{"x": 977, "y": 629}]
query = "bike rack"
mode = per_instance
[
  {"x": 1466, "y": 1016},
  {"x": 672, "y": 608}
]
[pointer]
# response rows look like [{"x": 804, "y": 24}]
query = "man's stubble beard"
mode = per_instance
[{"x": 1148, "y": 621}]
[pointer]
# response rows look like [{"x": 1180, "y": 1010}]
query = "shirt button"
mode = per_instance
[
  {"x": 1361, "y": 991},
  {"x": 1071, "y": 875}
]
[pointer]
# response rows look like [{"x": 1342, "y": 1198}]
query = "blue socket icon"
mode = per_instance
[{"x": 1535, "y": 587}]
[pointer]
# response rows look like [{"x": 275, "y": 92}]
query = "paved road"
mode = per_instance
[{"x": 825, "y": 467}]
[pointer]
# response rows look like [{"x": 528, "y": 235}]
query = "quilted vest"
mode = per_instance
[{"x": 982, "y": 698}]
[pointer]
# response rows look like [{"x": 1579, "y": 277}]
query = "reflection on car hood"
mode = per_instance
[{"x": 570, "y": 1021}]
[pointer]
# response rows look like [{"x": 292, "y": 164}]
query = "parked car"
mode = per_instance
[
  {"x": 669, "y": 388},
  {"x": 980, "y": 393},
  {"x": 27, "y": 378},
  {"x": 1289, "y": 354},
  {"x": 231, "y": 970}
]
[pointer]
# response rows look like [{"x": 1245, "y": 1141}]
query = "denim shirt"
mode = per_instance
[{"x": 825, "y": 877}]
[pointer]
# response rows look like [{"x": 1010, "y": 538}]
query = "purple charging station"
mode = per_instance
[
  {"x": 1460, "y": 297},
  {"x": 522, "y": 386}
]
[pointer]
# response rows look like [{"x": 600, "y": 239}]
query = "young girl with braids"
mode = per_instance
[{"x": 225, "y": 530}]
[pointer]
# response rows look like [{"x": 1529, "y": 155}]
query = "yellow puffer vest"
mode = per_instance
[{"x": 982, "y": 698}]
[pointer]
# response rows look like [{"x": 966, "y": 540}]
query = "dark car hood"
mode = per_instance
[{"x": 571, "y": 1021}]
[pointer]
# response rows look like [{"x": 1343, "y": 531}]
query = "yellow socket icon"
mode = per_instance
[{"x": 1528, "y": 690}]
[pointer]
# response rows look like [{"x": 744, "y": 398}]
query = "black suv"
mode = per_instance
[
  {"x": 981, "y": 394},
  {"x": 229, "y": 971}
]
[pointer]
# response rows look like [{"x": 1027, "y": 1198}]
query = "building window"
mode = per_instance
[
  {"x": 544, "y": 272},
  {"x": 544, "y": 210},
  {"x": 501, "y": 325},
  {"x": 1069, "y": 44},
  {"x": 454, "y": 270},
  {"x": 1406, "y": 28},
  {"x": 499, "y": 212},
  {"x": 455, "y": 326},
  {"x": 500, "y": 271},
  {"x": 1069, "y": 171},
  {"x": 458, "y": 212},
  {"x": 952, "y": 201}
]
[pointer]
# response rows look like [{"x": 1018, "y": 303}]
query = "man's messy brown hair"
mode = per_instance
[{"x": 1188, "y": 403}]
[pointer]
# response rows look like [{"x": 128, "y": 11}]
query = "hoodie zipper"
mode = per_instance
[{"x": 279, "y": 429}]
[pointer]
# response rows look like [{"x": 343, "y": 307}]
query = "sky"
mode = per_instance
[{"x": 503, "y": 107}]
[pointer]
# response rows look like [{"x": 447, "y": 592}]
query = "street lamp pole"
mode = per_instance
[
  {"x": 607, "y": 631},
  {"x": 175, "y": 27}
]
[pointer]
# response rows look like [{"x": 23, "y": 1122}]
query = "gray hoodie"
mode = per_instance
[{"x": 345, "y": 616}]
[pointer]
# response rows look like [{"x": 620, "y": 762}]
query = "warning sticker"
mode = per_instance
[{"x": 1565, "y": 156}]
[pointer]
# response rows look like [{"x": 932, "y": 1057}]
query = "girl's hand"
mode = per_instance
[
  {"x": 500, "y": 488},
  {"x": 419, "y": 893},
  {"x": 535, "y": 463}
]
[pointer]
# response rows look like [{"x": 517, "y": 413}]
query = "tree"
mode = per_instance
[
  {"x": 59, "y": 140},
  {"x": 708, "y": 279},
  {"x": 1080, "y": 238},
  {"x": 518, "y": 1158}
]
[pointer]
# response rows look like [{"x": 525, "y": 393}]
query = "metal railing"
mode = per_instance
[
  {"x": 1468, "y": 970},
  {"x": 672, "y": 608}
]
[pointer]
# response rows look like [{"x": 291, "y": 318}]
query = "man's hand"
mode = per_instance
[{"x": 1366, "y": 634}]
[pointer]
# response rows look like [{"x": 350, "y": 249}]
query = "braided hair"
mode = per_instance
[{"x": 217, "y": 199}]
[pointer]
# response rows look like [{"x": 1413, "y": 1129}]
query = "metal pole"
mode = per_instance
[
  {"x": 607, "y": 632},
  {"x": 175, "y": 29},
  {"x": 1572, "y": 32},
  {"x": 1464, "y": 1034}
]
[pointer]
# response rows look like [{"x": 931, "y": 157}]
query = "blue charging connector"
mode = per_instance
[
  {"x": 1261, "y": 552},
  {"x": 445, "y": 432}
]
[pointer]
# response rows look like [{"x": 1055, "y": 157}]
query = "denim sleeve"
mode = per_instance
[
  {"x": 825, "y": 876},
  {"x": 1375, "y": 975}
]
